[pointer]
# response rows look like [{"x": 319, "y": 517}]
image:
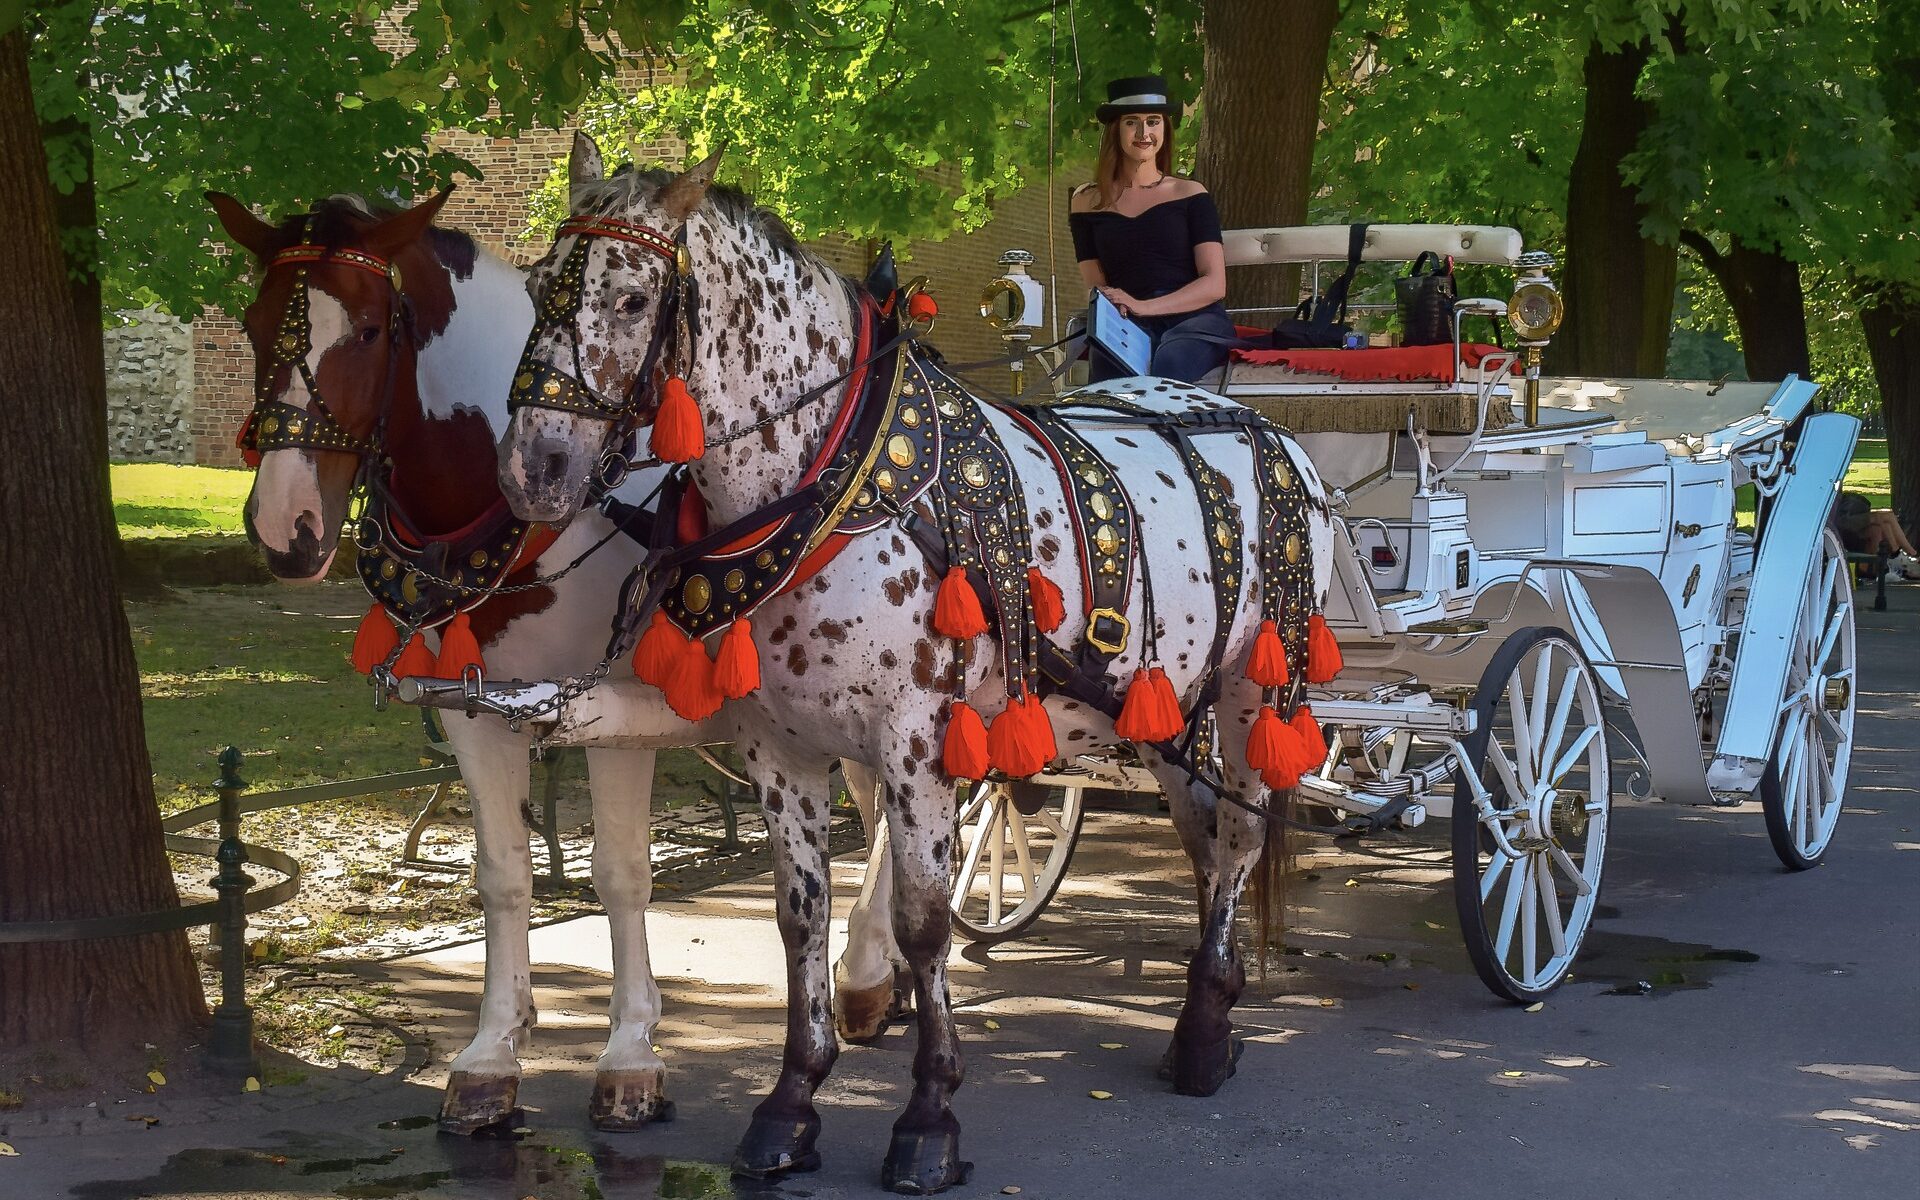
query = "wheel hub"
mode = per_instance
[{"x": 1837, "y": 695}]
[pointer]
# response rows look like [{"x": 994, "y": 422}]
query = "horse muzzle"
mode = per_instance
[{"x": 544, "y": 465}]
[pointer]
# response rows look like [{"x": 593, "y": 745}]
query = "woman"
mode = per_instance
[{"x": 1148, "y": 240}]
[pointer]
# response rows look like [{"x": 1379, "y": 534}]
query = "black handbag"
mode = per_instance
[
  {"x": 1426, "y": 301},
  {"x": 1321, "y": 322}
]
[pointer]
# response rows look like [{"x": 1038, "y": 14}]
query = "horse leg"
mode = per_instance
[
  {"x": 484, "y": 1079},
  {"x": 793, "y": 796},
  {"x": 1202, "y": 1052},
  {"x": 924, "y": 1155},
  {"x": 629, "y": 1084},
  {"x": 866, "y": 980},
  {"x": 1192, "y": 807}
]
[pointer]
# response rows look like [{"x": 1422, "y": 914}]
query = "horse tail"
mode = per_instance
[{"x": 1269, "y": 883}]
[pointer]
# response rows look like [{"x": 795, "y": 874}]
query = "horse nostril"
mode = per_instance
[
  {"x": 556, "y": 465},
  {"x": 550, "y": 457},
  {"x": 307, "y": 524}
]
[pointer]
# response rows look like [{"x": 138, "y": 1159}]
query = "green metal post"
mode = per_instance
[{"x": 230, "y": 1048}]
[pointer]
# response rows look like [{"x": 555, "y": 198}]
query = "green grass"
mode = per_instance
[
  {"x": 159, "y": 500},
  {"x": 1868, "y": 473}
]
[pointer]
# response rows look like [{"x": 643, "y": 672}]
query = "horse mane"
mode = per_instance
[
  {"x": 629, "y": 186},
  {"x": 342, "y": 218}
]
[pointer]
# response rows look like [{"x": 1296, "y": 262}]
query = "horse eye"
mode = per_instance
[
  {"x": 369, "y": 335},
  {"x": 630, "y": 305}
]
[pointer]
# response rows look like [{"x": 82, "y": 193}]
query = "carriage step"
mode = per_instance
[{"x": 1449, "y": 627}]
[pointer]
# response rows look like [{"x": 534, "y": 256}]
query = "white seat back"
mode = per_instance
[{"x": 1497, "y": 245}]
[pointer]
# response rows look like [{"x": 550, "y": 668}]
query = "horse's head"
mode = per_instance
[
  {"x": 332, "y": 340},
  {"x": 612, "y": 299}
]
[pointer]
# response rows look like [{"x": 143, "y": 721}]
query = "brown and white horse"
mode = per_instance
[
  {"x": 427, "y": 393},
  {"x": 859, "y": 670}
]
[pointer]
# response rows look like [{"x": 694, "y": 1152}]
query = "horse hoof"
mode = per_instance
[
  {"x": 920, "y": 1164},
  {"x": 627, "y": 1100},
  {"x": 861, "y": 1014},
  {"x": 1199, "y": 1070},
  {"x": 475, "y": 1102},
  {"x": 776, "y": 1146}
]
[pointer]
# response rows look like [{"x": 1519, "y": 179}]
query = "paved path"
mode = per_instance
[{"x": 1777, "y": 1053}]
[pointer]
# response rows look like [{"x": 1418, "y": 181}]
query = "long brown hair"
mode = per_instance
[{"x": 1106, "y": 171}]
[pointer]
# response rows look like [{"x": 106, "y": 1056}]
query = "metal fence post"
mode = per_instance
[{"x": 230, "y": 1048}]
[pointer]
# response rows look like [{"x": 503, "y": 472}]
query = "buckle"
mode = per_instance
[{"x": 1099, "y": 639}]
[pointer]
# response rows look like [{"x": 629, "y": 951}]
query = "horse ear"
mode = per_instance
[
  {"x": 248, "y": 232},
  {"x": 399, "y": 231},
  {"x": 585, "y": 164},
  {"x": 685, "y": 193}
]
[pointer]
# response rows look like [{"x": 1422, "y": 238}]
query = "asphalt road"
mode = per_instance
[{"x": 1776, "y": 1052}]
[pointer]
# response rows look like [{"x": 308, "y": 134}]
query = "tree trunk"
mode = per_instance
[
  {"x": 1763, "y": 286},
  {"x": 79, "y": 831},
  {"x": 1892, "y": 324},
  {"x": 1618, "y": 284},
  {"x": 1265, "y": 64}
]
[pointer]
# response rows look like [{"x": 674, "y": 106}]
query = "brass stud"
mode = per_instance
[
  {"x": 885, "y": 479},
  {"x": 907, "y": 388},
  {"x": 910, "y": 416},
  {"x": 863, "y": 497},
  {"x": 900, "y": 450},
  {"x": 697, "y": 594},
  {"x": 1101, "y": 506},
  {"x": 735, "y": 580}
]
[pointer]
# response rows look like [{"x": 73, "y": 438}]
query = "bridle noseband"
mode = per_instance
[{"x": 276, "y": 425}]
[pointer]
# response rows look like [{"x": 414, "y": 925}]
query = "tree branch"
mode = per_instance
[{"x": 1710, "y": 258}]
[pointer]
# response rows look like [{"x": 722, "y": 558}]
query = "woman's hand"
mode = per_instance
[{"x": 1127, "y": 305}]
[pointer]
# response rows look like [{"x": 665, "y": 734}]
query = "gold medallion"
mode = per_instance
[
  {"x": 697, "y": 594},
  {"x": 289, "y": 342},
  {"x": 973, "y": 471},
  {"x": 1223, "y": 534},
  {"x": 910, "y": 416},
  {"x": 900, "y": 450},
  {"x": 1106, "y": 539},
  {"x": 477, "y": 559},
  {"x": 885, "y": 479},
  {"x": 1101, "y": 506},
  {"x": 763, "y": 560},
  {"x": 1293, "y": 547},
  {"x": 270, "y": 425},
  {"x": 1094, "y": 476},
  {"x": 1282, "y": 475},
  {"x": 410, "y": 587},
  {"x": 735, "y": 580},
  {"x": 523, "y": 381},
  {"x": 293, "y": 424}
]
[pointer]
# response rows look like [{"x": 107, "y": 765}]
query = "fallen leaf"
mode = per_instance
[
  {"x": 992, "y": 1024},
  {"x": 1572, "y": 1060},
  {"x": 1513, "y": 1074},
  {"x": 1412, "y": 987},
  {"x": 151, "y": 1121},
  {"x": 1113, "y": 1045},
  {"x": 1328, "y": 1002},
  {"x": 1433, "y": 925},
  {"x": 1010, "y": 1190},
  {"x": 253, "y": 1085},
  {"x": 1097, "y": 1094},
  {"x": 7, "y": 1151},
  {"x": 1536, "y": 1006},
  {"x": 1353, "y": 883},
  {"x": 159, "y": 1080}
]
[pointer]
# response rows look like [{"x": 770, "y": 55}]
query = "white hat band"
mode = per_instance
[{"x": 1142, "y": 98}]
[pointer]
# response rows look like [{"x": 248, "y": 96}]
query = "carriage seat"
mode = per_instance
[{"x": 1351, "y": 391}]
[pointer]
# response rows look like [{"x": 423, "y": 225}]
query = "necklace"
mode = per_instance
[{"x": 1147, "y": 187}]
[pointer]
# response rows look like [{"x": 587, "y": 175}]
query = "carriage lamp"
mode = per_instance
[
  {"x": 1014, "y": 304},
  {"x": 1535, "y": 312}
]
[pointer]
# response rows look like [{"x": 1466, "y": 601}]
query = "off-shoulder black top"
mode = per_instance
[{"x": 1152, "y": 254}]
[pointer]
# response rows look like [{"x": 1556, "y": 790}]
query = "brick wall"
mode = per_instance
[{"x": 494, "y": 210}]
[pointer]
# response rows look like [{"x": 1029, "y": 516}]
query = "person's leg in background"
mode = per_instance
[{"x": 1194, "y": 346}]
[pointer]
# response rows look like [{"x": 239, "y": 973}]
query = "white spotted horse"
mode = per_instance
[
  {"x": 880, "y": 556},
  {"x": 383, "y": 351}
]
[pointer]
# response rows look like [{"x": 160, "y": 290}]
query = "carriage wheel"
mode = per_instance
[
  {"x": 1526, "y": 868},
  {"x": 1804, "y": 785},
  {"x": 1013, "y": 846}
]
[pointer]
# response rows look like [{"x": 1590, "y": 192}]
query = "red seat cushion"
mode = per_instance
[{"x": 1431, "y": 364}]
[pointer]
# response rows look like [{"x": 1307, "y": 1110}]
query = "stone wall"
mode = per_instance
[{"x": 150, "y": 389}]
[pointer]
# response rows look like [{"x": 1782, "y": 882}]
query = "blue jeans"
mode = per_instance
[{"x": 1178, "y": 352}]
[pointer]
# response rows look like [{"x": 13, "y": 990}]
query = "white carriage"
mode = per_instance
[{"x": 1520, "y": 563}]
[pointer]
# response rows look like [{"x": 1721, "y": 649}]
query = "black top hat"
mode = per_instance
[{"x": 1139, "y": 93}]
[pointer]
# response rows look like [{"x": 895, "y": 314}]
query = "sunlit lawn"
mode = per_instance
[{"x": 156, "y": 500}]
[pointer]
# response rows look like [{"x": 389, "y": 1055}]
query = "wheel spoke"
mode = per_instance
[
  {"x": 1565, "y": 862},
  {"x": 1572, "y": 755},
  {"x": 1523, "y": 754},
  {"x": 1497, "y": 755},
  {"x": 970, "y": 865},
  {"x": 1529, "y": 922},
  {"x": 1550, "y": 908},
  {"x": 1016, "y": 822},
  {"x": 1562, "y": 706},
  {"x": 1509, "y": 909},
  {"x": 1495, "y": 865},
  {"x": 997, "y": 862},
  {"x": 1052, "y": 822},
  {"x": 1537, "y": 710}
]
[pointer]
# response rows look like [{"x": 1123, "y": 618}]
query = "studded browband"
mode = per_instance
[{"x": 276, "y": 425}]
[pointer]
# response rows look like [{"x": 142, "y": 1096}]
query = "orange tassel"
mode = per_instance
[
  {"x": 1135, "y": 722},
  {"x": 1281, "y": 778},
  {"x": 459, "y": 649},
  {"x": 1323, "y": 651},
  {"x": 1273, "y": 743},
  {"x": 690, "y": 689},
  {"x": 1166, "y": 706},
  {"x": 1267, "y": 665},
  {"x": 1020, "y": 741},
  {"x": 374, "y": 640},
  {"x": 736, "y": 668},
  {"x": 416, "y": 661},
  {"x": 660, "y": 650},
  {"x": 956, "y": 609},
  {"x": 679, "y": 435},
  {"x": 1313, "y": 743},
  {"x": 1049, "y": 606},
  {"x": 964, "y": 751},
  {"x": 922, "y": 308}
]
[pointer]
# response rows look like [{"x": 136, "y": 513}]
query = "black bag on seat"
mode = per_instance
[
  {"x": 1321, "y": 322},
  {"x": 1426, "y": 302}
]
